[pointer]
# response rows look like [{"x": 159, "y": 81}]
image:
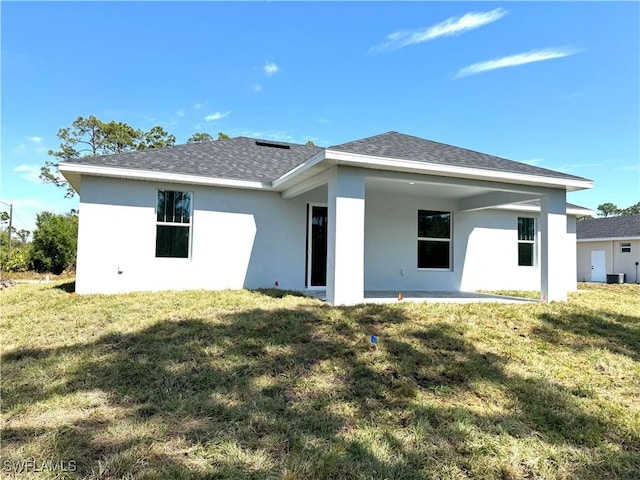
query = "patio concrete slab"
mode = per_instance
[{"x": 389, "y": 296}]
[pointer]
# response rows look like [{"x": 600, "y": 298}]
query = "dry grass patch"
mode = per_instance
[{"x": 269, "y": 384}]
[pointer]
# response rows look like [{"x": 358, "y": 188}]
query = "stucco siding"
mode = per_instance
[
  {"x": 571, "y": 257},
  {"x": 391, "y": 245},
  {"x": 491, "y": 253},
  {"x": 239, "y": 238},
  {"x": 250, "y": 239},
  {"x": 484, "y": 248}
]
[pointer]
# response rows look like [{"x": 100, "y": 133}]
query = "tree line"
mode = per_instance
[{"x": 611, "y": 210}]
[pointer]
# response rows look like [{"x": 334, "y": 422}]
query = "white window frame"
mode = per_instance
[
  {"x": 174, "y": 224},
  {"x": 432, "y": 239},
  {"x": 534, "y": 248},
  {"x": 625, "y": 247}
]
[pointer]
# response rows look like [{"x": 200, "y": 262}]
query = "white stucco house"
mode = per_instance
[
  {"x": 388, "y": 212},
  {"x": 609, "y": 246}
]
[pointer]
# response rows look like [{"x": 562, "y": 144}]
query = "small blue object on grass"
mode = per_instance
[{"x": 374, "y": 340}]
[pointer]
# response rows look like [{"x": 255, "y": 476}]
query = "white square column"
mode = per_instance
[
  {"x": 553, "y": 231},
  {"x": 345, "y": 237}
]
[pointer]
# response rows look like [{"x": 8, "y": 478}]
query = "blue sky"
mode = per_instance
[{"x": 551, "y": 84}]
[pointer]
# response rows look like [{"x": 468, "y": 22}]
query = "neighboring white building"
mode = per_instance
[
  {"x": 609, "y": 246},
  {"x": 389, "y": 212}
]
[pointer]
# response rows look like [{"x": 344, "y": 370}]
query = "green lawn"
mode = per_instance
[{"x": 198, "y": 385}]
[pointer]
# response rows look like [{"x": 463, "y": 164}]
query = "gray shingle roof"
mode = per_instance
[
  {"x": 238, "y": 158},
  {"x": 625, "y": 226},
  {"x": 245, "y": 158},
  {"x": 407, "y": 147}
]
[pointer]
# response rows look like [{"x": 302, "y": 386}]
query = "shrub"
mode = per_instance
[
  {"x": 20, "y": 260},
  {"x": 55, "y": 242}
]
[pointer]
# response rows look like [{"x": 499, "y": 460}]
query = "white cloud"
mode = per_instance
[
  {"x": 270, "y": 69},
  {"x": 29, "y": 172},
  {"x": 577, "y": 94},
  {"x": 257, "y": 87},
  {"x": 20, "y": 149},
  {"x": 180, "y": 113},
  {"x": 629, "y": 168},
  {"x": 216, "y": 116},
  {"x": 197, "y": 106},
  {"x": 451, "y": 26},
  {"x": 577, "y": 167},
  {"x": 322, "y": 120},
  {"x": 515, "y": 60},
  {"x": 533, "y": 161},
  {"x": 35, "y": 139}
]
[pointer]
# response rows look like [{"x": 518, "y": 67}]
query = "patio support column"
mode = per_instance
[
  {"x": 345, "y": 237},
  {"x": 554, "y": 251}
]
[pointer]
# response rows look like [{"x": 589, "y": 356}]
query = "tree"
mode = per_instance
[
  {"x": 54, "y": 242},
  {"x": 157, "y": 137},
  {"x": 91, "y": 136},
  {"x": 607, "y": 209},
  {"x": 610, "y": 209},
  {"x": 23, "y": 235},
  {"x": 310, "y": 143},
  {"x": 200, "y": 137},
  {"x": 222, "y": 136},
  {"x": 14, "y": 257},
  {"x": 632, "y": 210}
]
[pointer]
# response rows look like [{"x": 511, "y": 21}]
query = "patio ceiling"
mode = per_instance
[
  {"x": 467, "y": 197},
  {"x": 423, "y": 189}
]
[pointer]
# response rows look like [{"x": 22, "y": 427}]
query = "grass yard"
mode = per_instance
[{"x": 199, "y": 385}]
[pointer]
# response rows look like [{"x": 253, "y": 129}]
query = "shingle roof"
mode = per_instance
[
  {"x": 625, "y": 226},
  {"x": 408, "y": 147},
  {"x": 243, "y": 158},
  {"x": 239, "y": 158}
]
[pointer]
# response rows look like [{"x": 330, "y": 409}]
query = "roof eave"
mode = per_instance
[
  {"x": 73, "y": 171},
  {"x": 573, "y": 211},
  {"x": 412, "y": 166},
  {"x": 300, "y": 172},
  {"x": 608, "y": 239}
]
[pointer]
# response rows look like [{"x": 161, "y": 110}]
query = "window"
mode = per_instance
[
  {"x": 526, "y": 241},
  {"x": 173, "y": 227},
  {"x": 434, "y": 239},
  {"x": 625, "y": 248}
]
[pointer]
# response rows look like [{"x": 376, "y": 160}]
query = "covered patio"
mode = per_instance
[
  {"x": 399, "y": 213},
  {"x": 372, "y": 236}
]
